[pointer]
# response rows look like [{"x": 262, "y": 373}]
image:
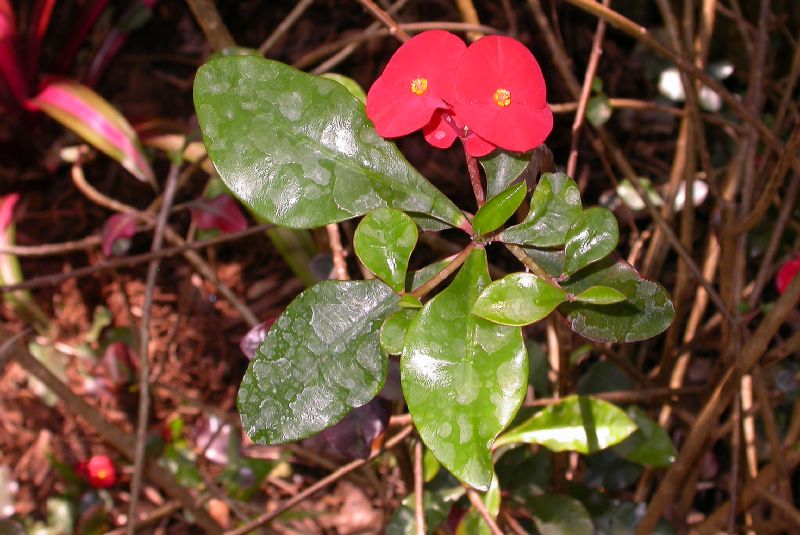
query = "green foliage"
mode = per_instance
[
  {"x": 497, "y": 211},
  {"x": 299, "y": 150},
  {"x": 502, "y": 168},
  {"x": 592, "y": 237},
  {"x": 518, "y": 299},
  {"x": 556, "y": 514},
  {"x": 383, "y": 242},
  {"x": 320, "y": 360},
  {"x": 463, "y": 377}
]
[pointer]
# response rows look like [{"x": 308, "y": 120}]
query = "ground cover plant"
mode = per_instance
[{"x": 412, "y": 267}]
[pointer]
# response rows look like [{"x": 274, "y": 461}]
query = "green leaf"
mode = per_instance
[
  {"x": 497, "y": 211},
  {"x": 598, "y": 110},
  {"x": 421, "y": 276},
  {"x": 463, "y": 377},
  {"x": 473, "y": 523},
  {"x": 518, "y": 299},
  {"x": 437, "y": 505},
  {"x": 592, "y": 237},
  {"x": 393, "y": 331},
  {"x": 320, "y": 360},
  {"x": 383, "y": 242},
  {"x": 600, "y": 295},
  {"x": 630, "y": 196},
  {"x": 430, "y": 466},
  {"x": 351, "y": 85},
  {"x": 551, "y": 260},
  {"x": 556, "y": 514},
  {"x": 604, "y": 376},
  {"x": 410, "y": 301},
  {"x": 650, "y": 445},
  {"x": 502, "y": 168},
  {"x": 647, "y": 311},
  {"x": 555, "y": 206},
  {"x": 621, "y": 518},
  {"x": 576, "y": 423},
  {"x": 299, "y": 149}
]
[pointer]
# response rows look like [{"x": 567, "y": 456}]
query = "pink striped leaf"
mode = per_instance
[{"x": 91, "y": 116}]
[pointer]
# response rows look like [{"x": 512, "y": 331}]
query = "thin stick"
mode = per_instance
[
  {"x": 386, "y": 19},
  {"x": 113, "y": 435},
  {"x": 475, "y": 178},
  {"x": 469, "y": 14},
  {"x": 337, "y": 252},
  {"x": 419, "y": 503},
  {"x": 293, "y": 16},
  {"x": 211, "y": 23},
  {"x": 128, "y": 261},
  {"x": 53, "y": 249},
  {"x": 628, "y": 396},
  {"x": 319, "y": 485},
  {"x": 144, "y": 339},
  {"x": 478, "y": 504},
  {"x": 586, "y": 91}
]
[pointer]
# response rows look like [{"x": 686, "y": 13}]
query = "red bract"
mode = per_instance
[
  {"x": 99, "y": 471},
  {"x": 787, "y": 273},
  {"x": 417, "y": 81},
  {"x": 501, "y": 96}
]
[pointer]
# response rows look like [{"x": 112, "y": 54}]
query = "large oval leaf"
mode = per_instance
[
  {"x": 647, "y": 311},
  {"x": 463, "y": 377},
  {"x": 502, "y": 168},
  {"x": 497, "y": 211},
  {"x": 555, "y": 206},
  {"x": 592, "y": 237},
  {"x": 383, "y": 241},
  {"x": 518, "y": 299},
  {"x": 576, "y": 423},
  {"x": 300, "y": 150},
  {"x": 319, "y": 360}
]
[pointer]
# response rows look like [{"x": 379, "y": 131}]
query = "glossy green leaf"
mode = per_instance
[
  {"x": 650, "y": 445},
  {"x": 592, "y": 237},
  {"x": 410, "y": 301},
  {"x": 463, "y": 377},
  {"x": 598, "y": 110},
  {"x": 383, "y": 241},
  {"x": 494, "y": 213},
  {"x": 300, "y": 150},
  {"x": 576, "y": 423},
  {"x": 351, "y": 85},
  {"x": 437, "y": 505},
  {"x": 518, "y": 299},
  {"x": 473, "y": 523},
  {"x": 556, "y": 514},
  {"x": 430, "y": 466},
  {"x": 551, "y": 260},
  {"x": 421, "y": 276},
  {"x": 393, "y": 331},
  {"x": 555, "y": 206},
  {"x": 647, "y": 311},
  {"x": 600, "y": 295},
  {"x": 319, "y": 360},
  {"x": 502, "y": 168}
]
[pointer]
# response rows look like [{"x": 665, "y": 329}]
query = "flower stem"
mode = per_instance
[
  {"x": 531, "y": 264},
  {"x": 437, "y": 279},
  {"x": 475, "y": 178}
]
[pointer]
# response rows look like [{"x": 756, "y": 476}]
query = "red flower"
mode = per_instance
[
  {"x": 417, "y": 81},
  {"x": 501, "y": 96},
  {"x": 445, "y": 127},
  {"x": 787, "y": 273},
  {"x": 99, "y": 471}
]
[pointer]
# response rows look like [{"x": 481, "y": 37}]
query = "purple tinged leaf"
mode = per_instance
[
  {"x": 249, "y": 344},
  {"x": 221, "y": 213},
  {"x": 10, "y": 65},
  {"x": 92, "y": 117},
  {"x": 213, "y": 436},
  {"x": 353, "y": 437},
  {"x": 117, "y": 231}
]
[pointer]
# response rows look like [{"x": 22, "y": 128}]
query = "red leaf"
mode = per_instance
[
  {"x": 786, "y": 274},
  {"x": 7, "y": 204},
  {"x": 117, "y": 227},
  {"x": 221, "y": 213},
  {"x": 90, "y": 116}
]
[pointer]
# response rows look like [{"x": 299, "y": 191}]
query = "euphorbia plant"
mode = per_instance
[{"x": 302, "y": 152}]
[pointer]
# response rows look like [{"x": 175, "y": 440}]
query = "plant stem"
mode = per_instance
[
  {"x": 475, "y": 178},
  {"x": 531, "y": 264},
  {"x": 437, "y": 279}
]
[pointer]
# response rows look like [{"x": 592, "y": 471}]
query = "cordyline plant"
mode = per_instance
[{"x": 303, "y": 152}]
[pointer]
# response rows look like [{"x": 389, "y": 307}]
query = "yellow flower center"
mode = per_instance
[
  {"x": 502, "y": 97},
  {"x": 102, "y": 474},
  {"x": 419, "y": 86}
]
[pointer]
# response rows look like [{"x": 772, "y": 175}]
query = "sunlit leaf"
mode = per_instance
[
  {"x": 646, "y": 312},
  {"x": 383, "y": 241},
  {"x": 518, "y": 299},
  {"x": 300, "y": 150},
  {"x": 494, "y": 213},
  {"x": 555, "y": 206},
  {"x": 576, "y": 423},
  {"x": 630, "y": 195},
  {"x": 393, "y": 330},
  {"x": 90, "y": 116},
  {"x": 320, "y": 360},
  {"x": 600, "y": 295},
  {"x": 351, "y": 85},
  {"x": 592, "y": 237},
  {"x": 650, "y": 445},
  {"x": 463, "y": 377}
]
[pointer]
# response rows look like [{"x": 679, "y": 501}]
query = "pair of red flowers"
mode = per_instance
[{"x": 490, "y": 95}]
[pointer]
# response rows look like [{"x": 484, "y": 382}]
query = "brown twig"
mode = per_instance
[
  {"x": 386, "y": 19},
  {"x": 586, "y": 91},
  {"x": 293, "y": 16},
  {"x": 475, "y": 178},
  {"x": 437, "y": 279},
  {"x": 319, "y": 485},
  {"x": 114, "y": 436},
  {"x": 419, "y": 502},
  {"x": 337, "y": 252},
  {"x": 211, "y": 23},
  {"x": 479, "y": 506},
  {"x": 144, "y": 340}
]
